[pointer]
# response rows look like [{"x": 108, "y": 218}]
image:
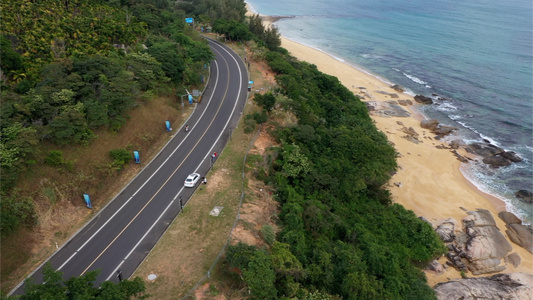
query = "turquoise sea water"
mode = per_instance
[{"x": 478, "y": 54}]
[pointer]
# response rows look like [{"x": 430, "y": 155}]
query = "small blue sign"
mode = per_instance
[
  {"x": 250, "y": 82},
  {"x": 189, "y": 20},
  {"x": 137, "y": 157},
  {"x": 87, "y": 201},
  {"x": 190, "y": 99},
  {"x": 167, "y": 123}
]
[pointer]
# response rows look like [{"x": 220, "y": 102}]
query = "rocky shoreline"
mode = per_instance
[
  {"x": 477, "y": 246},
  {"x": 428, "y": 180}
]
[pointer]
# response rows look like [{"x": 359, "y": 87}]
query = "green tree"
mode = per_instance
[
  {"x": 239, "y": 255},
  {"x": 232, "y": 30},
  {"x": 55, "y": 287},
  {"x": 260, "y": 276},
  {"x": 15, "y": 211},
  {"x": 17, "y": 149},
  {"x": 167, "y": 53},
  {"x": 70, "y": 126},
  {"x": 285, "y": 263},
  {"x": 266, "y": 101}
]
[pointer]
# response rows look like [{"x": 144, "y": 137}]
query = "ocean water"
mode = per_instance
[{"x": 477, "y": 54}]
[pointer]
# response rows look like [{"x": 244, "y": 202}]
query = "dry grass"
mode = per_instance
[{"x": 57, "y": 192}]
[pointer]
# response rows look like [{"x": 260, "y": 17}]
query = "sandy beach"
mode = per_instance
[{"x": 429, "y": 181}]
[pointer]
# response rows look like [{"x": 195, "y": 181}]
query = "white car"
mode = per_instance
[{"x": 192, "y": 180}]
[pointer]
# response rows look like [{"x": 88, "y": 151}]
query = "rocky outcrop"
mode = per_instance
[
  {"x": 485, "y": 249},
  {"x": 446, "y": 230},
  {"x": 437, "y": 128},
  {"x": 455, "y": 144},
  {"x": 485, "y": 149},
  {"x": 389, "y": 108},
  {"x": 500, "y": 286},
  {"x": 430, "y": 124},
  {"x": 496, "y": 161},
  {"x": 522, "y": 235},
  {"x": 423, "y": 99},
  {"x": 436, "y": 267},
  {"x": 479, "y": 248},
  {"x": 518, "y": 233},
  {"x": 443, "y": 130},
  {"x": 411, "y": 134},
  {"x": 525, "y": 196},
  {"x": 512, "y": 156},
  {"x": 513, "y": 259},
  {"x": 405, "y": 102},
  {"x": 509, "y": 217},
  {"x": 492, "y": 155},
  {"x": 397, "y": 88}
]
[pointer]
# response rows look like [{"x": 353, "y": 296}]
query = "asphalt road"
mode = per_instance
[{"x": 120, "y": 236}]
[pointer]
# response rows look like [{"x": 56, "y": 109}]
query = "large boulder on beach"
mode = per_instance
[
  {"x": 525, "y": 196},
  {"x": 496, "y": 161},
  {"x": 455, "y": 144},
  {"x": 446, "y": 230},
  {"x": 397, "y": 88},
  {"x": 486, "y": 246},
  {"x": 436, "y": 266},
  {"x": 513, "y": 259},
  {"x": 499, "y": 286},
  {"x": 429, "y": 124},
  {"x": 405, "y": 102},
  {"x": 509, "y": 217},
  {"x": 423, "y": 99},
  {"x": 443, "y": 130},
  {"x": 480, "y": 217},
  {"x": 520, "y": 234}
]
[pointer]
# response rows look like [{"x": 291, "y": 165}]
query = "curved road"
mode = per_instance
[{"x": 122, "y": 234}]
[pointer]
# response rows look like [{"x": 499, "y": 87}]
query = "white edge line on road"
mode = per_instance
[{"x": 67, "y": 260}]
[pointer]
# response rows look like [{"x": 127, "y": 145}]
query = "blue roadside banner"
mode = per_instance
[
  {"x": 137, "y": 157},
  {"x": 87, "y": 200},
  {"x": 167, "y": 123}
]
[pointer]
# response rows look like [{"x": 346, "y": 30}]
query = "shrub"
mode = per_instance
[
  {"x": 249, "y": 124},
  {"x": 54, "y": 158},
  {"x": 120, "y": 157},
  {"x": 268, "y": 234}
]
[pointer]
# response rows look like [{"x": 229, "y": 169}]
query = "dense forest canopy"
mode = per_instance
[
  {"x": 71, "y": 67},
  {"x": 341, "y": 235}
]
